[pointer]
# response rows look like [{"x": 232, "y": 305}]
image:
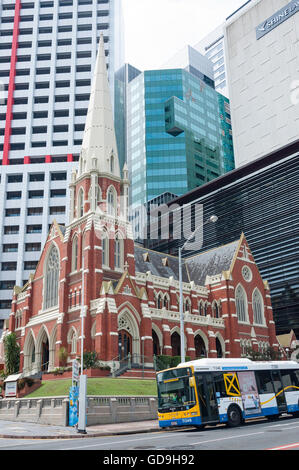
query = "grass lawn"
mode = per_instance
[{"x": 98, "y": 386}]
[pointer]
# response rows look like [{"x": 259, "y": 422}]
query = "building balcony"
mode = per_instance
[{"x": 188, "y": 318}]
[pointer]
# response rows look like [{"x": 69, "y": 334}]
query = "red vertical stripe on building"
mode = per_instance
[{"x": 11, "y": 85}]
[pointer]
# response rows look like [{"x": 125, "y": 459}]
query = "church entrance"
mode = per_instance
[
  {"x": 176, "y": 344},
  {"x": 124, "y": 344},
  {"x": 45, "y": 355},
  {"x": 156, "y": 343},
  {"x": 200, "y": 348}
]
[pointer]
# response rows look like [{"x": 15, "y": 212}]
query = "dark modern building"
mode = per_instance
[{"x": 260, "y": 199}]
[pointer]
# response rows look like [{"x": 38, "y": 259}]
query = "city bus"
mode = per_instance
[{"x": 211, "y": 391}]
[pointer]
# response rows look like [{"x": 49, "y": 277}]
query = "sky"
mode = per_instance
[{"x": 156, "y": 29}]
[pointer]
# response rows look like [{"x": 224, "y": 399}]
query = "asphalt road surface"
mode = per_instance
[{"x": 282, "y": 434}]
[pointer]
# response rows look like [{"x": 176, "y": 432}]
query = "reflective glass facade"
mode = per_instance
[
  {"x": 262, "y": 200},
  {"x": 122, "y": 77},
  {"x": 179, "y": 133}
]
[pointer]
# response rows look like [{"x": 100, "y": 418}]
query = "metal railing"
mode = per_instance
[{"x": 131, "y": 361}]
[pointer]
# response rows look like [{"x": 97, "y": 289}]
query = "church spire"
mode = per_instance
[{"x": 99, "y": 148}]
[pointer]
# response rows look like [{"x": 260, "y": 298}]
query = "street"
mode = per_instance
[{"x": 255, "y": 435}]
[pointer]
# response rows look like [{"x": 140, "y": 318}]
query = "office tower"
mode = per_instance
[
  {"x": 262, "y": 67},
  {"x": 123, "y": 77},
  {"x": 47, "y": 55},
  {"x": 179, "y": 132},
  {"x": 212, "y": 46}
]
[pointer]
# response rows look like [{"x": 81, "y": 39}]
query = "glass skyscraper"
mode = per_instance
[{"x": 179, "y": 132}]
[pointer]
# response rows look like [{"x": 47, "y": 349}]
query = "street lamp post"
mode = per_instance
[
  {"x": 212, "y": 219},
  {"x": 83, "y": 378}
]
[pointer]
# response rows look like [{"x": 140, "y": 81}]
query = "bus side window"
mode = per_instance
[
  {"x": 264, "y": 381},
  {"x": 290, "y": 378},
  {"x": 219, "y": 384},
  {"x": 286, "y": 378}
]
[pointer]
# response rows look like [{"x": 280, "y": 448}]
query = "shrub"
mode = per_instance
[
  {"x": 166, "y": 362},
  {"x": 26, "y": 380},
  {"x": 11, "y": 354},
  {"x": 90, "y": 360},
  {"x": 58, "y": 371}
]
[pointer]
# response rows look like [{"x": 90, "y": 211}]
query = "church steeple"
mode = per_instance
[{"x": 99, "y": 148}]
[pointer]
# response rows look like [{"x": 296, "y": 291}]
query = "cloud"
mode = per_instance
[{"x": 156, "y": 29}]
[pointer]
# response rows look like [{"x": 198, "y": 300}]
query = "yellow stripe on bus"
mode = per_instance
[{"x": 282, "y": 390}]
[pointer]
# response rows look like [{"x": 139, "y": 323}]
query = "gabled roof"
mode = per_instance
[
  {"x": 153, "y": 262},
  {"x": 211, "y": 263},
  {"x": 195, "y": 268}
]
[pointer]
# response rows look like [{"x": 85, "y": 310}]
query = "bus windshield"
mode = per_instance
[{"x": 174, "y": 391}]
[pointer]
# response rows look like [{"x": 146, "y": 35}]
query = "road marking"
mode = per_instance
[
  {"x": 118, "y": 442},
  {"x": 225, "y": 438},
  {"x": 289, "y": 446},
  {"x": 27, "y": 442}
]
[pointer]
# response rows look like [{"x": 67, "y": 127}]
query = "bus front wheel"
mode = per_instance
[{"x": 234, "y": 416}]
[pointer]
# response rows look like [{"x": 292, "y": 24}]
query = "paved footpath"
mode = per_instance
[{"x": 18, "y": 430}]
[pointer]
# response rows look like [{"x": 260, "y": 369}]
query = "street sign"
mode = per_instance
[{"x": 75, "y": 371}]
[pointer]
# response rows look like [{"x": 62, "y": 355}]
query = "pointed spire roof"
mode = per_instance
[{"x": 99, "y": 141}]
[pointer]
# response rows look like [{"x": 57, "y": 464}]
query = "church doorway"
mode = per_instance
[
  {"x": 200, "y": 348},
  {"x": 219, "y": 348},
  {"x": 124, "y": 344},
  {"x": 156, "y": 344},
  {"x": 176, "y": 344},
  {"x": 45, "y": 355}
]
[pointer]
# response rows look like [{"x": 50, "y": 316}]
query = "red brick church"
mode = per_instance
[{"x": 130, "y": 295}]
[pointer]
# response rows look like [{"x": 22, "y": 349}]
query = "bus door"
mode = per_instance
[
  {"x": 278, "y": 390},
  {"x": 207, "y": 397}
]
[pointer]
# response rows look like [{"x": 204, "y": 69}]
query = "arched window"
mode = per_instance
[
  {"x": 200, "y": 308},
  {"x": 187, "y": 305},
  {"x": 75, "y": 254},
  {"x": 258, "y": 307},
  {"x": 166, "y": 302},
  {"x": 241, "y": 304},
  {"x": 112, "y": 164},
  {"x": 18, "y": 319},
  {"x": 74, "y": 343},
  {"x": 80, "y": 208},
  {"x": 216, "y": 309},
  {"x": 206, "y": 309},
  {"x": 105, "y": 249},
  {"x": 159, "y": 300},
  {"x": 51, "y": 279},
  {"x": 97, "y": 197},
  {"x": 118, "y": 252},
  {"x": 111, "y": 201}
]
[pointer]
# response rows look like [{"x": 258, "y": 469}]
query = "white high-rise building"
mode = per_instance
[
  {"x": 263, "y": 75},
  {"x": 212, "y": 46},
  {"x": 47, "y": 54}
]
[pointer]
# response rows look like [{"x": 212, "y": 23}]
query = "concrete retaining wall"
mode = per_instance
[{"x": 100, "y": 410}]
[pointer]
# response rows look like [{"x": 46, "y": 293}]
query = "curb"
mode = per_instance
[{"x": 80, "y": 436}]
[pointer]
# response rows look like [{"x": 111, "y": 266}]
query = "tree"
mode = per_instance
[
  {"x": 11, "y": 354},
  {"x": 268, "y": 355},
  {"x": 62, "y": 354}
]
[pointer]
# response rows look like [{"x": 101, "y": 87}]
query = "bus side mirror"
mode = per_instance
[{"x": 192, "y": 381}]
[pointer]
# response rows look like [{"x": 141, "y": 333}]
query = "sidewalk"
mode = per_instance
[{"x": 17, "y": 430}]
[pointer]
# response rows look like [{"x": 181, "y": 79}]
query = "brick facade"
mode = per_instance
[{"x": 127, "y": 294}]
